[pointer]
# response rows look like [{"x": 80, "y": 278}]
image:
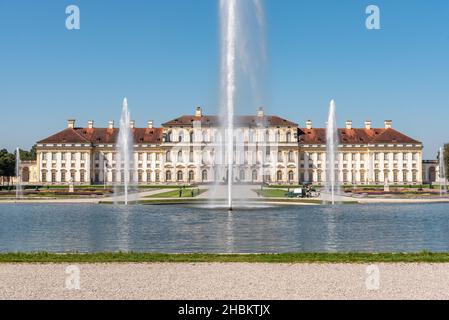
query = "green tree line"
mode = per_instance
[{"x": 8, "y": 161}]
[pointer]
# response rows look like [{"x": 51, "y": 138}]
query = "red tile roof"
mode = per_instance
[
  {"x": 356, "y": 136},
  {"x": 239, "y": 121},
  {"x": 104, "y": 136}
]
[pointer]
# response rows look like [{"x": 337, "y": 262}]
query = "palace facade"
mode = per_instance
[{"x": 267, "y": 149}]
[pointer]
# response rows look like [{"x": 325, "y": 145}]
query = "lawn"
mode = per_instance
[
  {"x": 423, "y": 257},
  {"x": 186, "y": 193},
  {"x": 272, "y": 193}
]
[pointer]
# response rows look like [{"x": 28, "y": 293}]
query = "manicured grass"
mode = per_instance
[
  {"x": 423, "y": 257},
  {"x": 272, "y": 193},
  {"x": 186, "y": 193}
]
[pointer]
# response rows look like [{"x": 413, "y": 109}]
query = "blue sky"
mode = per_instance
[{"x": 164, "y": 56}]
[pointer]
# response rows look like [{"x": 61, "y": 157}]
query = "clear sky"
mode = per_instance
[{"x": 164, "y": 56}]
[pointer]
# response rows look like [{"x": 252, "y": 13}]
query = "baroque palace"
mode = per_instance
[{"x": 268, "y": 149}]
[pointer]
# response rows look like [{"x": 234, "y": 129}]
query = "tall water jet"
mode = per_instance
[
  {"x": 229, "y": 17},
  {"x": 442, "y": 173},
  {"x": 332, "y": 141},
  {"x": 125, "y": 146},
  {"x": 19, "y": 191},
  {"x": 243, "y": 57}
]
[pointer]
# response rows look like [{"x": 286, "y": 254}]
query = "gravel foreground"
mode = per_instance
[{"x": 225, "y": 281}]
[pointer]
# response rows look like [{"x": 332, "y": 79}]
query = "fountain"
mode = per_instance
[
  {"x": 229, "y": 16},
  {"x": 442, "y": 175},
  {"x": 19, "y": 191},
  {"x": 332, "y": 141},
  {"x": 125, "y": 146},
  {"x": 243, "y": 54}
]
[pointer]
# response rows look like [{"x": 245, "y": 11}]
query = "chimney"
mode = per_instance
[
  {"x": 150, "y": 124},
  {"x": 368, "y": 124},
  {"x": 198, "y": 112},
  {"x": 111, "y": 124},
  {"x": 71, "y": 123},
  {"x": 260, "y": 112},
  {"x": 132, "y": 124},
  {"x": 90, "y": 124},
  {"x": 349, "y": 124},
  {"x": 388, "y": 124},
  {"x": 309, "y": 124}
]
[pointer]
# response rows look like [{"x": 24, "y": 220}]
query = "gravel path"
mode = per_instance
[{"x": 226, "y": 281}]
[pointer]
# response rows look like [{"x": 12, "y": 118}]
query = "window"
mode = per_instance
[
  {"x": 291, "y": 156},
  {"x": 376, "y": 176},
  {"x": 395, "y": 176},
  {"x": 404, "y": 156},
  {"x": 97, "y": 178},
  {"x": 319, "y": 157},
  {"x": 168, "y": 176},
  {"x": 254, "y": 175},
  {"x": 62, "y": 176},
  {"x": 53, "y": 177},
  {"x": 191, "y": 137},
  {"x": 157, "y": 177},
  {"x": 168, "y": 137},
  {"x": 158, "y": 157},
  {"x": 396, "y": 156},
  {"x": 354, "y": 157},
  {"x": 204, "y": 175},
  {"x": 242, "y": 175},
  {"x": 345, "y": 157},
  {"x": 181, "y": 137},
  {"x": 415, "y": 156},
  {"x": 44, "y": 176},
  {"x": 405, "y": 176},
  {"x": 319, "y": 177},
  {"x": 291, "y": 176},
  {"x": 180, "y": 156},
  {"x": 180, "y": 176},
  {"x": 414, "y": 176},
  {"x": 139, "y": 176},
  {"x": 191, "y": 176},
  {"x": 362, "y": 176},
  {"x": 168, "y": 156},
  {"x": 279, "y": 176},
  {"x": 376, "y": 156},
  {"x": 191, "y": 156},
  {"x": 97, "y": 156},
  {"x": 140, "y": 156},
  {"x": 53, "y": 156},
  {"x": 83, "y": 176},
  {"x": 289, "y": 136}
]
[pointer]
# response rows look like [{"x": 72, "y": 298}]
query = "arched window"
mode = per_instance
[
  {"x": 191, "y": 136},
  {"x": 168, "y": 156},
  {"x": 191, "y": 176},
  {"x": 180, "y": 156},
  {"x": 242, "y": 175},
  {"x": 180, "y": 176},
  {"x": 191, "y": 156},
  {"x": 168, "y": 176},
  {"x": 254, "y": 175},
  {"x": 278, "y": 136},
  {"x": 279, "y": 175},
  {"x": 291, "y": 176},
  {"x": 289, "y": 136},
  {"x": 204, "y": 175},
  {"x": 181, "y": 136}
]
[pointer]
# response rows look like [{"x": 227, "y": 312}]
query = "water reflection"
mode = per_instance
[{"x": 91, "y": 228}]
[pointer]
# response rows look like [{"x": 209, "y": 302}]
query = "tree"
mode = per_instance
[
  {"x": 7, "y": 164},
  {"x": 28, "y": 155},
  {"x": 446, "y": 159}
]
